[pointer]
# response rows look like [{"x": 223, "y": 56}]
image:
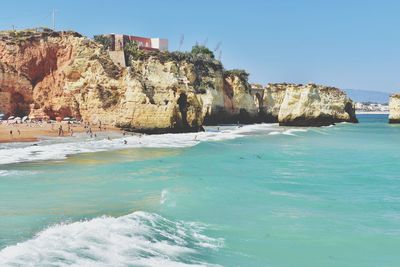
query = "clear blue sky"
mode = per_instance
[{"x": 348, "y": 44}]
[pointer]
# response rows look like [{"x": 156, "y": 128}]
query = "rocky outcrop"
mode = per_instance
[
  {"x": 272, "y": 100},
  {"x": 237, "y": 105},
  {"x": 70, "y": 75},
  {"x": 47, "y": 74},
  {"x": 307, "y": 105},
  {"x": 394, "y": 108},
  {"x": 15, "y": 93}
]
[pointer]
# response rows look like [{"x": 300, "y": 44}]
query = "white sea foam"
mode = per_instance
[
  {"x": 137, "y": 239},
  {"x": 286, "y": 131},
  {"x": 4, "y": 173},
  {"x": 163, "y": 196},
  {"x": 54, "y": 149}
]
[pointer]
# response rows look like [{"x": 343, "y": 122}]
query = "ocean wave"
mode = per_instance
[
  {"x": 137, "y": 239},
  {"x": 4, "y": 173},
  {"x": 287, "y": 132},
  {"x": 54, "y": 149}
]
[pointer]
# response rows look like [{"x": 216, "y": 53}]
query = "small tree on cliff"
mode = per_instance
[
  {"x": 202, "y": 52},
  {"x": 242, "y": 74},
  {"x": 103, "y": 40},
  {"x": 132, "y": 51}
]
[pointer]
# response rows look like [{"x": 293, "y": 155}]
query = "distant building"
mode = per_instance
[
  {"x": 370, "y": 107},
  {"x": 118, "y": 42}
]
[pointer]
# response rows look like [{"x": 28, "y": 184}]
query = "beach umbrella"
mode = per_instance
[
  {"x": 66, "y": 118},
  {"x": 24, "y": 118},
  {"x": 18, "y": 118}
]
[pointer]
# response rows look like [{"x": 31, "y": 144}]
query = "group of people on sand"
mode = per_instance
[
  {"x": 61, "y": 130},
  {"x": 18, "y": 131}
]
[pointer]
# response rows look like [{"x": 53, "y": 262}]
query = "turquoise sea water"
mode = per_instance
[{"x": 256, "y": 196}]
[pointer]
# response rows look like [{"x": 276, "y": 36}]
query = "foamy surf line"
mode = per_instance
[
  {"x": 4, "y": 173},
  {"x": 137, "y": 239},
  {"x": 290, "y": 132},
  {"x": 60, "y": 150}
]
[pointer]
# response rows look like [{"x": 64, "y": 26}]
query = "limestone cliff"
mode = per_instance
[
  {"x": 66, "y": 74},
  {"x": 307, "y": 105},
  {"x": 16, "y": 91},
  {"x": 47, "y": 74},
  {"x": 394, "y": 108},
  {"x": 237, "y": 105}
]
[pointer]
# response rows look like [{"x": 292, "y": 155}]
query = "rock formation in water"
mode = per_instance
[
  {"x": 394, "y": 108},
  {"x": 307, "y": 105},
  {"x": 48, "y": 74}
]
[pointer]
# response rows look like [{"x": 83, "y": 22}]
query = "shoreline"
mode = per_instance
[
  {"x": 372, "y": 112},
  {"x": 33, "y": 132}
]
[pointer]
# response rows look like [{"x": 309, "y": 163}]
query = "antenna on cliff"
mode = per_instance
[
  {"x": 219, "y": 55},
  {"x": 54, "y": 19},
  {"x": 217, "y": 47},
  {"x": 181, "y": 41}
]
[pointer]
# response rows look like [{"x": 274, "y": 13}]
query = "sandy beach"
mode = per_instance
[{"x": 30, "y": 132}]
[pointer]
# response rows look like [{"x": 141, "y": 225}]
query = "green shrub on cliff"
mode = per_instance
[
  {"x": 103, "y": 40},
  {"x": 242, "y": 74},
  {"x": 133, "y": 52},
  {"x": 201, "y": 51}
]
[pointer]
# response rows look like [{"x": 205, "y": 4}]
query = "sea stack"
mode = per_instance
[
  {"x": 394, "y": 108},
  {"x": 307, "y": 105},
  {"x": 46, "y": 74}
]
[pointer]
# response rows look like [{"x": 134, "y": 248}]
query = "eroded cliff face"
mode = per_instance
[
  {"x": 47, "y": 74},
  {"x": 65, "y": 74},
  {"x": 237, "y": 104},
  {"x": 272, "y": 100},
  {"x": 394, "y": 108},
  {"x": 15, "y": 93},
  {"x": 307, "y": 105}
]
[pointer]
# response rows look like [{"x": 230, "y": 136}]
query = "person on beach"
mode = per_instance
[
  {"x": 60, "y": 131},
  {"x": 125, "y": 142},
  {"x": 11, "y": 133}
]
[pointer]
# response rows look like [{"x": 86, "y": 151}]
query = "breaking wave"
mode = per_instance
[
  {"x": 137, "y": 239},
  {"x": 4, "y": 173},
  {"x": 287, "y": 132},
  {"x": 58, "y": 149}
]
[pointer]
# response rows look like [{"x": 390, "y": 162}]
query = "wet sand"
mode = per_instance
[{"x": 30, "y": 132}]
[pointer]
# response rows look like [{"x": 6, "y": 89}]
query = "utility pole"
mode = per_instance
[
  {"x": 181, "y": 41},
  {"x": 54, "y": 19}
]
